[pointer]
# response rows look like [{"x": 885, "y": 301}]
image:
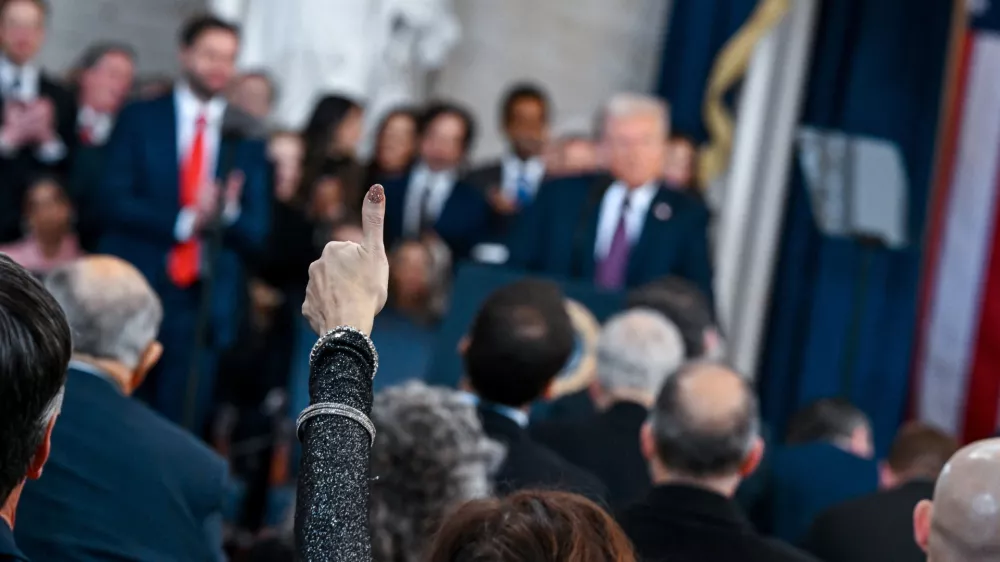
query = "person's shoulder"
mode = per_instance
[
  {"x": 778, "y": 551},
  {"x": 175, "y": 439}
]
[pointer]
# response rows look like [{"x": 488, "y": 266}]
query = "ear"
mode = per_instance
[
  {"x": 861, "y": 442},
  {"x": 647, "y": 442},
  {"x": 710, "y": 343},
  {"x": 595, "y": 394},
  {"x": 149, "y": 359},
  {"x": 42, "y": 452},
  {"x": 887, "y": 478},
  {"x": 753, "y": 458},
  {"x": 463, "y": 345},
  {"x": 922, "y": 516},
  {"x": 548, "y": 394}
]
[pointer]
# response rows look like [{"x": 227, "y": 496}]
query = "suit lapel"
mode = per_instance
[
  {"x": 164, "y": 142},
  {"x": 652, "y": 227},
  {"x": 591, "y": 216}
]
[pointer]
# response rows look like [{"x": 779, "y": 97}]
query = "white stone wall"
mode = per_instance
[
  {"x": 581, "y": 50},
  {"x": 148, "y": 25}
]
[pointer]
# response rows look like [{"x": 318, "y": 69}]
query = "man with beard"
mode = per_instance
[{"x": 184, "y": 199}]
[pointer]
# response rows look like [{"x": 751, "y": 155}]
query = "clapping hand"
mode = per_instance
[
  {"x": 41, "y": 121},
  {"x": 348, "y": 285},
  {"x": 208, "y": 199},
  {"x": 14, "y": 132}
]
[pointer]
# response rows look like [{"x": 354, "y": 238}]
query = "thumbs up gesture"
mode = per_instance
[{"x": 348, "y": 285}]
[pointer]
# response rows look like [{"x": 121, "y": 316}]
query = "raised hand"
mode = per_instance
[
  {"x": 14, "y": 131},
  {"x": 348, "y": 285}
]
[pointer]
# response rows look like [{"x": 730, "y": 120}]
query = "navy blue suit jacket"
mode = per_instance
[
  {"x": 122, "y": 483},
  {"x": 465, "y": 220},
  {"x": 140, "y": 203},
  {"x": 556, "y": 235}
]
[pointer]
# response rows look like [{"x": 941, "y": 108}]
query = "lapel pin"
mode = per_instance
[{"x": 662, "y": 212}]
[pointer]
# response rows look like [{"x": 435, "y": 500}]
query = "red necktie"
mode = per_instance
[{"x": 184, "y": 260}]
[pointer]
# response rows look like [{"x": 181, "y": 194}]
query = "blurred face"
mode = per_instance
[
  {"x": 680, "y": 163},
  {"x": 253, "y": 94},
  {"x": 105, "y": 87},
  {"x": 410, "y": 271},
  {"x": 22, "y": 31},
  {"x": 48, "y": 212},
  {"x": 526, "y": 128},
  {"x": 635, "y": 148},
  {"x": 442, "y": 147},
  {"x": 397, "y": 144},
  {"x": 210, "y": 62},
  {"x": 578, "y": 157},
  {"x": 347, "y": 136},
  {"x": 328, "y": 199},
  {"x": 286, "y": 152}
]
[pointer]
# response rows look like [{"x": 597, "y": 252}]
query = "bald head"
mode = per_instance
[
  {"x": 963, "y": 521},
  {"x": 112, "y": 311},
  {"x": 705, "y": 422}
]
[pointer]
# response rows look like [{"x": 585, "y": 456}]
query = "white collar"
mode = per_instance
[
  {"x": 639, "y": 198},
  {"x": 29, "y": 74},
  {"x": 424, "y": 171},
  {"x": 189, "y": 106},
  {"x": 517, "y": 416}
]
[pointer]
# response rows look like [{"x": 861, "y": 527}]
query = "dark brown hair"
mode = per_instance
[
  {"x": 920, "y": 451},
  {"x": 531, "y": 526}
]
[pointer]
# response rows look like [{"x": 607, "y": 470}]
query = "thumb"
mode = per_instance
[{"x": 373, "y": 218}]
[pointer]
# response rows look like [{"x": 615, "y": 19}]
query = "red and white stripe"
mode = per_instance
[{"x": 958, "y": 351}]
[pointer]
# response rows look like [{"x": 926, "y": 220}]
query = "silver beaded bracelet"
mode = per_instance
[
  {"x": 339, "y": 332},
  {"x": 335, "y": 409}
]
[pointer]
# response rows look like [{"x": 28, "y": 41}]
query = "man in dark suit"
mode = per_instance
[
  {"x": 701, "y": 440},
  {"x": 635, "y": 353},
  {"x": 518, "y": 343},
  {"x": 511, "y": 183},
  {"x": 122, "y": 482},
  {"x": 623, "y": 229},
  {"x": 37, "y": 133},
  {"x": 185, "y": 200},
  {"x": 431, "y": 198},
  {"x": 828, "y": 458},
  {"x": 104, "y": 81},
  {"x": 879, "y": 526},
  {"x": 35, "y": 347}
]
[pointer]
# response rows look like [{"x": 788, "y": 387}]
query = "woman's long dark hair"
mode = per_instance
[
  {"x": 374, "y": 172},
  {"x": 327, "y": 117}
]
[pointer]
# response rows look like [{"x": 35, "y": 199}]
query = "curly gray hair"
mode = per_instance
[{"x": 431, "y": 455}]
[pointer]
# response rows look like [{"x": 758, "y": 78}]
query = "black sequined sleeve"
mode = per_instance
[{"x": 331, "y": 513}]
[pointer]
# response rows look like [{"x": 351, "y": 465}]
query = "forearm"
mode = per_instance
[{"x": 331, "y": 519}]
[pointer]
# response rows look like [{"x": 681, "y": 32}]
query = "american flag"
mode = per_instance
[{"x": 957, "y": 365}]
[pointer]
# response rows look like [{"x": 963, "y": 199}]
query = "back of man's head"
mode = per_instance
[
  {"x": 832, "y": 420},
  {"x": 918, "y": 453},
  {"x": 961, "y": 524},
  {"x": 704, "y": 427},
  {"x": 520, "y": 340},
  {"x": 113, "y": 312},
  {"x": 636, "y": 352},
  {"x": 35, "y": 347},
  {"x": 684, "y": 304}
]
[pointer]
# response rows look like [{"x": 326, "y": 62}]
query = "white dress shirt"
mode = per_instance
[
  {"x": 440, "y": 184},
  {"x": 533, "y": 171},
  {"x": 189, "y": 109},
  {"x": 98, "y": 125},
  {"x": 23, "y": 83},
  {"x": 611, "y": 207}
]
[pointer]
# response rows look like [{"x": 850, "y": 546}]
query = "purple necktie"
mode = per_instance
[{"x": 610, "y": 273}]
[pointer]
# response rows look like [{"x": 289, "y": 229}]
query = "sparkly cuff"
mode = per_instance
[{"x": 341, "y": 367}]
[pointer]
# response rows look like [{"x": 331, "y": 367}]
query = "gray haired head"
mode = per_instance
[
  {"x": 431, "y": 455},
  {"x": 636, "y": 352},
  {"x": 112, "y": 311},
  {"x": 705, "y": 422}
]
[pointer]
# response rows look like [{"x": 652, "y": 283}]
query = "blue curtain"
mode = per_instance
[
  {"x": 843, "y": 314},
  {"x": 697, "y": 30}
]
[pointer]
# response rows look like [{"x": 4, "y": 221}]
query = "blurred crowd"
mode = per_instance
[{"x": 201, "y": 223}]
